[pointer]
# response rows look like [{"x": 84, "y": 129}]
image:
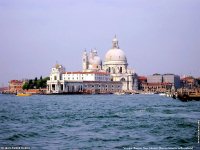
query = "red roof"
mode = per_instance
[
  {"x": 16, "y": 81},
  {"x": 3, "y": 88},
  {"x": 187, "y": 78},
  {"x": 102, "y": 73},
  {"x": 142, "y": 78},
  {"x": 157, "y": 84}
]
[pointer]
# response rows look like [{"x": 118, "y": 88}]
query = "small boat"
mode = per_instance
[
  {"x": 119, "y": 93},
  {"x": 24, "y": 94},
  {"x": 162, "y": 94}
]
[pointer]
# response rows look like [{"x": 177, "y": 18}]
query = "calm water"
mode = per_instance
[{"x": 98, "y": 122}]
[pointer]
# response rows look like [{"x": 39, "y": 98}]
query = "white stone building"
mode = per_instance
[
  {"x": 80, "y": 82},
  {"x": 111, "y": 76},
  {"x": 115, "y": 63}
]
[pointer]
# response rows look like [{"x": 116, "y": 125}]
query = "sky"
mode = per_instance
[{"x": 157, "y": 36}]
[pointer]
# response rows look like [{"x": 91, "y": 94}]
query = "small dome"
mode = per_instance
[{"x": 97, "y": 60}]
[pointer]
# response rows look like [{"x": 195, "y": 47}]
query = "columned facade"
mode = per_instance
[{"x": 116, "y": 64}]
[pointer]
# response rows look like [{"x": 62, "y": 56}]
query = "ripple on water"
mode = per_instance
[
  {"x": 97, "y": 121},
  {"x": 20, "y": 136}
]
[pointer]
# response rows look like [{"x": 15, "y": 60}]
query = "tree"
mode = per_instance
[
  {"x": 41, "y": 83},
  {"x": 198, "y": 82},
  {"x": 30, "y": 83},
  {"x": 35, "y": 82},
  {"x": 25, "y": 86}
]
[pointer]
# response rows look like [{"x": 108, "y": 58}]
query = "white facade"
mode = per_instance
[
  {"x": 86, "y": 76},
  {"x": 116, "y": 64},
  {"x": 66, "y": 82},
  {"x": 113, "y": 73}
]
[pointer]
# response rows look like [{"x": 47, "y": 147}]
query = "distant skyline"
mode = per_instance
[{"x": 157, "y": 36}]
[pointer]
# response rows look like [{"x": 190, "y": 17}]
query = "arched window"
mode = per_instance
[
  {"x": 113, "y": 70},
  {"x": 109, "y": 69},
  {"x": 122, "y": 80},
  {"x": 120, "y": 69}
]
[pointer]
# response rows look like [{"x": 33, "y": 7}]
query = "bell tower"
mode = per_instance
[{"x": 85, "y": 61}]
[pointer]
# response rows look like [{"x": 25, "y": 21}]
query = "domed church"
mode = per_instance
[
  {"x": 91, "y": 62},
  {"x": 115, "y": 63}
]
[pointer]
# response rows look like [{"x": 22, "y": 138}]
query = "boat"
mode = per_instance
[
  {"x": 120, "y": 93},
  {"x": 149, "y": 93},
  {"x": 189, "y": 95},
  {"x": 24, "y": 94},
  {"x": 162, "y": 94}
]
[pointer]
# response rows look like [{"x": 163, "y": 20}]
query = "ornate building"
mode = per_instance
[
  {"x": 115, "y": 63},
  {"x": 113, "y": 76},
  {"x": 91, "y": 62},
  {"x": 80, "y": 82}
]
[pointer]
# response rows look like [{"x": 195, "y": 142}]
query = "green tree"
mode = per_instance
[
  {"x": 198, "y": 81},
  {"x": 35, "y": 82},
  {"x": 38, "y": 84},
  {"x": 25, "y": 86},
  {"x": 30, "y": 82},
  {"x": 41, "y": 83}
]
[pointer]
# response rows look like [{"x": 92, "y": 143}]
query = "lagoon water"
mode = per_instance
[{"x": 98, "y": 122}]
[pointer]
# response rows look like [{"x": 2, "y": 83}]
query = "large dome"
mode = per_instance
[{"x": 115, "y": 54}]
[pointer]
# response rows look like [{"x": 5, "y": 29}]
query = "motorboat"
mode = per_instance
[{"x": 24, "y": 94}]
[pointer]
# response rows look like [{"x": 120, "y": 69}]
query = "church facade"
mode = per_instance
[
  {"x": 111, "y": 76},
  {"x": 115, "y": 63}
]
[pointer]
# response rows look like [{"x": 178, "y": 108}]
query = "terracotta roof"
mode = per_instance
[
  {"x": 3, "y": 88},
  {"x": 142, "y": 78},
  {"x": 157, "y": 84},
  {"x": 16, "y": 81},
  {"x": 99, "y": 82},
  {"x": 102, "y": 73},
  {"x": 187, "y": 78}
]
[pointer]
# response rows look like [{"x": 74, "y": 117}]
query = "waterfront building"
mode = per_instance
[
  {"x": 111, "y": 76},
  {"x": 155, "y": 78},
  {"x": 115, "y": 64},
  {"x": 189, "y": 82},
  {"x": 15, "y": 86},
  {"x": 157, "y": 87},
  {"x": 161, "y": 83},
  {"x": 165, "y": 78},
  {"x": 80, "y": 82},
  {"x": 141, "y": 81},
  {"x": 173, "y": 79},
  {"x": 4, "y": 90}
]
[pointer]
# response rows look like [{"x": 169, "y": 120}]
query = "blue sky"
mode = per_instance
[{"x": 160, "y": 36}]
